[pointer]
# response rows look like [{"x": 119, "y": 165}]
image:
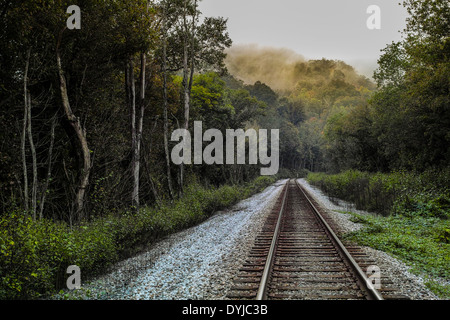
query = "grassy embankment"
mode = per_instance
[
  {"x": 413, "y": 222},
  {"x": 34, "y": 256}
]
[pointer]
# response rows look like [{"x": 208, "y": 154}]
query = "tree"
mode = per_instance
[
  {"x": 140, "y": 21},
  {"x": 418, "y": 70},
  {"x": 202, "y": 49},
  {"x": 165, "y": 97},
  {"x": 78, "y": 75}
]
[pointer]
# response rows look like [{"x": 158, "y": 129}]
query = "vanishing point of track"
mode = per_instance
[{"x": 298, "y": 256}]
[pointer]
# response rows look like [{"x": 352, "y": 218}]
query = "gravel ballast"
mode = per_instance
[
  {"x": 201, "y": 262},
  {"x": 197, "y": 263},
  {"x": 409, "y": 284}
]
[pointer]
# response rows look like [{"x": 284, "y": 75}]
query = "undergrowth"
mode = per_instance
[
  {"x": 414, "y": 224},
  {"x": 421, "y": 242},
  {"x": 398, "y": 193},
  {"x": 34, "y": 255}
]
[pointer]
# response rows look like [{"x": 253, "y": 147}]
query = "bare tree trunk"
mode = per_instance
[
  {"x": 186, "y": 105},
  {"x": 187, "y": 83},
  {"x": 81, "y": 136},
  {"x": 166, "y": 120},
  {"x": 193, "y": 48},
  {"x": 31, "y": 143},
  {"x": 131, "y": 95},
  {"x": 146, "y": 166},
  {"x": 49, "y": 169},
  {"x": 140, "y": 127},
  {"x": 24, "y": 130},
  {"x": 33, "y": 156},
  {"x": 137, "y": 124}
]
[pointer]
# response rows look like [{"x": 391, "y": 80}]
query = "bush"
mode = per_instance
[
  {"x": 23, "y": 257},
  {"x": 417, "y": 206},
  {"x": 399, "y": 193},
  {"x": 422, "y": 242},
  {"x": 34, "y": 255}
]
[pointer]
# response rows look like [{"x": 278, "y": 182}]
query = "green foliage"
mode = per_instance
[
  {"x": 419, "y": 69},
  {"x": 442, "y": 291},
  {"x": 417, "y": 241},
  {"x": 406, "y": 123},
  {"x": 207, "y": 92},
  {"x": 34, "y": 255},
  {"x": 309, "y": 93},
  {"x": 403, "y": 193},
  {"x": 416, "y": 226},
  {"x": 21, "y": 260}
]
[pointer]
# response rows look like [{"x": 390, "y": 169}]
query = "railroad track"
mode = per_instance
[{"x": 297, "y": 255}]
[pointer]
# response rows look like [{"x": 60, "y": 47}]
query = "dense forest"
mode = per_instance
[
  {"x": 87, "y": 114},
  {"x": 401, "y": 121}
]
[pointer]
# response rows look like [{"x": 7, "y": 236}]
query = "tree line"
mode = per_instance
[
  {"x": 405, "y": 123},
  {"x": 398, "y": 120},
  {"x": 83, "y": 111},
  {"x": 87, "y": 114}
]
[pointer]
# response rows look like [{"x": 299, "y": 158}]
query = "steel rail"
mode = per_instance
[
  {"x": 363, "y": 281},
  {"x": 262, "y": 289}
]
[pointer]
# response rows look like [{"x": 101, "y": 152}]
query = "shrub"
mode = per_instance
[
  {"x": 34, "y": 255},
  {"x": 31, "y": 254},
  {"x": 399, "y": 193}
]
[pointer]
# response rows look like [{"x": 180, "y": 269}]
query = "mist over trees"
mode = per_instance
[
  {"x": 308, "y": 96},
  {"x": 399, "y": 121}
]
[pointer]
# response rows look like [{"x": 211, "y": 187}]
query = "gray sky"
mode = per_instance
[{"x": 333, "y": 29}]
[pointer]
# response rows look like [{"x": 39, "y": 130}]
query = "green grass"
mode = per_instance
[{"x": 421, "y": 242}]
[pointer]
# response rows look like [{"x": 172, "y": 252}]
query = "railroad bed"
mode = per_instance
[{"x": 297, "y": 255}]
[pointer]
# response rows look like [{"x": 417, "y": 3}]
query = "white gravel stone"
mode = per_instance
[{"x": 197, "y": 263}]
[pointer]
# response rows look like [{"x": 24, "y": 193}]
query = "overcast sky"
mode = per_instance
[{"x": 333, "y": 29}]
